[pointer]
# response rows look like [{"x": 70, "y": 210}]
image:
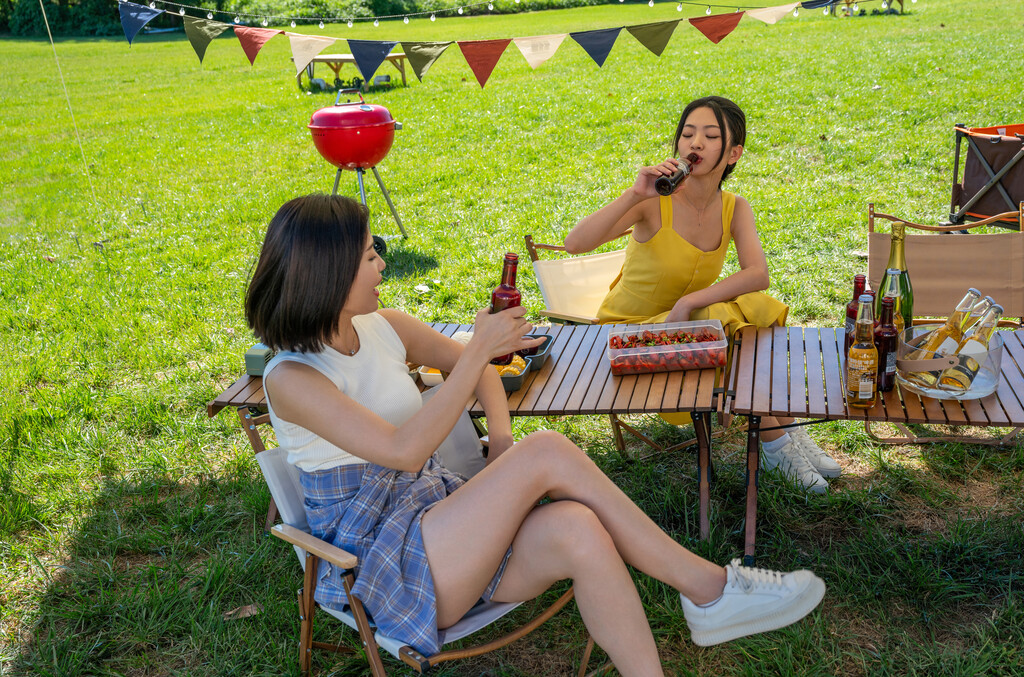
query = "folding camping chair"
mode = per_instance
[
  {"x": 572, "y": 288},
  {"x": 943, "y": 262},
  {"x": 993, "y": 173},
  {"x": 283, "y": 480}
]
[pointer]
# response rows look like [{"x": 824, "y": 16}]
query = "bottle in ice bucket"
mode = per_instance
[
  {"x": 862, "y": 359},
  {"x": 505, "y": 295},
  {"x": 944, "y": 340},
  {"x": 891, "y": 287},
  {"x": 971, "y": 353},
  {"x": 886, "y": 340},
  {"x": 979, "y": 309},
  {"x": 859, "y": 282},
  {"x": 898, "y": 260},
  {"x": 666, "y": 185}
]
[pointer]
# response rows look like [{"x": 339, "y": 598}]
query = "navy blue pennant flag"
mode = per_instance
[
  {"x": 815, "y": 4},
  {"x": 134, "y": 17},
  {"x": 597, "y": 43},
  {"x": 369, "y": 55}
]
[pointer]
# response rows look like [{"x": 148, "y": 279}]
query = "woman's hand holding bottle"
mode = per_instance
[
  {"x": 501, "y": 333},
  {"x": 643, "y": 186}
]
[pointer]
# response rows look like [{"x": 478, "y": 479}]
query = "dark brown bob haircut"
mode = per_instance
[
  {"x": 309, "y": 260},
  {"x": 731, "y": 121}
]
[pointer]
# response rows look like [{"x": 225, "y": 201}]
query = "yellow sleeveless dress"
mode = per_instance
[{"x": 656, "y": 273}]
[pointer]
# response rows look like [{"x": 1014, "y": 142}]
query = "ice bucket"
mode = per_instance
[{"x": 922, "y": 376}]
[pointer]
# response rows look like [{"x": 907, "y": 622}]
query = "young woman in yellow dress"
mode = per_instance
[{"x": 676, "y": 253}]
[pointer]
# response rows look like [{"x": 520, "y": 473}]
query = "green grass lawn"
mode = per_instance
[{"x": 130, "y": 522}]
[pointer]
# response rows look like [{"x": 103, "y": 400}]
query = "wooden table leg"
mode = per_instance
[
  {"x": 700, "y": 426},
  {"x": 400, "y": 65},
  {"x": 753, "y": 460}
]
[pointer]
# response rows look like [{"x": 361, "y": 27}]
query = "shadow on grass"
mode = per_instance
[{"x": 404, "y": 261}]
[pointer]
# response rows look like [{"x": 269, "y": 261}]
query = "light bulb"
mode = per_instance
[
  {"x": 460, "y": 10},
  {"x": 350, "y": 23},
  {"x": 405, "y": 20},
  {"x": 376, "y": 22},
  {"x": 708, "y": 10},
  {"x": 913, "y": 2},
  {"x": 885, "y": 5},
  {"x": 650, "y": 3},
  {"x": 856, "y": 8},
  {"x": 796, "y": 12},
  {"x": 181, "y": 11},
  {"x": 679, "y": 7},
  {"x": 432, "y": 17},
  {"x": 264, "y": 22},
  {"x": 237, "y": 20},
  {"x": 490, "y": 5},
  {"x": 825, "y": 11},
  {"x": 293, "y": 24},
  {"x": 209, "y": 15},
  {"x": 152, "y": 5},
  {"x": 321, "y": 24}
]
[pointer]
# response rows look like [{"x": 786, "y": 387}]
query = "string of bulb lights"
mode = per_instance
[{"x": 266, "y": 19}]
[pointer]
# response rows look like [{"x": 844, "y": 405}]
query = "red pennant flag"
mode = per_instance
[
  {"x": 716, "y": 27},
  {"x": 482, "y": 56},
  {"x": 253, "y": 39}
]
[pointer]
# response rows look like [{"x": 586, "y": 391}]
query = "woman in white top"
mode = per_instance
[{"x": 431, "y": 544}]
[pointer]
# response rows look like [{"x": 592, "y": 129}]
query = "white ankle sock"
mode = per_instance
[{"x": 775, "y": 445}]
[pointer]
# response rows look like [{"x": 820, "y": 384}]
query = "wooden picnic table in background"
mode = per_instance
[{"x": 336, "y": 61}]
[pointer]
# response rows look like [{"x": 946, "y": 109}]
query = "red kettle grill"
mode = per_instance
[{"x": 356, "y": 135}]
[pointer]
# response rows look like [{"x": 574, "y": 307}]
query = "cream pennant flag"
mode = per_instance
[
  {"x": 539, "y": 48},
  {"x": 305, "y": 47},
  {"x": 770, "y": 15}
]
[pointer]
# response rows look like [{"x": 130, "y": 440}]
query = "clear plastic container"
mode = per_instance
[
  {"x": 649, "y": 359},
  {"x": 984, "y": 384}
]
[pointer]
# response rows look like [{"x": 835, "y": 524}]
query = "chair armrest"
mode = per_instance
[
  {"x": 567, "y": 317},
  {"x": 310, "y": 543}
]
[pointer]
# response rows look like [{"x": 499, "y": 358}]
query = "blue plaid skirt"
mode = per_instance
[{"x": 374, "y": 513}]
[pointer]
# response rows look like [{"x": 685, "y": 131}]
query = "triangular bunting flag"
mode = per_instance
[
  {"x": 134, "y": 17},
  {"x": 422, "y": 55},
  {"x": 482, "y": 56},
  {"x": 770, "y": 15},
  {"x": 369, "y": 55},
  {"x": 253, "y": 39},
  {"x": 654, "y": 36},
  {"x": 815, "y": 4},
  {"x": 597, "y": 43},
  {"x": 201, "y": 32},
  {"x": 539, "y": 48},
  {"x": 305, "y": 47},
  {"x": 716, "y": 27}
]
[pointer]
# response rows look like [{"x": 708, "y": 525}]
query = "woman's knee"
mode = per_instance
[
  {"x": 548, "y": 447},
  {"x": 578, "y": 533}
]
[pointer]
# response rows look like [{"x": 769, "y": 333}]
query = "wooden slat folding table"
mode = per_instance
[
  {"x": 800, "y": 372},
  {"x": 576, "y": 379}
]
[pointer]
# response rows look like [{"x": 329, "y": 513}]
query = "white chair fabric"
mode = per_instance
[{"x": 576, "y": 285}]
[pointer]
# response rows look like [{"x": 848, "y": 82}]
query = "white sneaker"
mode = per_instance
[
  {"x": 754, "y": 600},
  {"x": 817, "y": 457},
  {"x": 792, "y": 462}
]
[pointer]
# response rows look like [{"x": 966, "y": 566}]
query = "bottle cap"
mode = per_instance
[
  {"x": 974, "y": 291},
  {"x": 512, "y": 256},
  {"x": 996, "y": 307},
  {"x": 865, "y": 298}
]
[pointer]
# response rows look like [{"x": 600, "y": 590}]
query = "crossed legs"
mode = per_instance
[{"x": 589, "y": 532}]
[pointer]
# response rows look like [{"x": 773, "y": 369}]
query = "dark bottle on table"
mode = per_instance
[
  {"x": 666, "y": 185},
  {"x": 886, "y": 340},
  {"x": 505, "y": 295},
  {"x": 859, "y": 282}
]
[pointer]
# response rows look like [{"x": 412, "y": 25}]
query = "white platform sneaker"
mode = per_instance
[
  {"x": 792, "y": 462},
  {"x": 754, "y": 600},
  {"x": 822, "y": 462}
]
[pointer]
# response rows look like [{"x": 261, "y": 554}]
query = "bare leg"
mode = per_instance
[
  {"x": 467, "y": 534},
  {"x": 771, "y": 422},
  {"x": 565, "y": 539}
]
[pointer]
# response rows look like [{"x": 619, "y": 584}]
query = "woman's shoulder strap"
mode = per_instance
[
  {"x": 728, "y": 209},
  {"x": 666, "y": 210}
]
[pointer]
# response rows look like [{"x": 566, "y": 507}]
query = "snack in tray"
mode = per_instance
[
  {"x": 666, "y": 350},
  {"x": 513, "y": 368}
]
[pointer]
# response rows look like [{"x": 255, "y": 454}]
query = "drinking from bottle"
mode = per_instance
[
  {"x": 505, "y": 295},
  {"x": 891, "y": 287},
  {"x": 666, "y": 185},
  {"x": 862, "y": 359},
  {"x": 944, "y": 340},
  {"x": 859, "y": 282},
  {"x": 898, "y": 260},
  {"x": 886, "y": 340},
  {"x": 971, "y": 353}
]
